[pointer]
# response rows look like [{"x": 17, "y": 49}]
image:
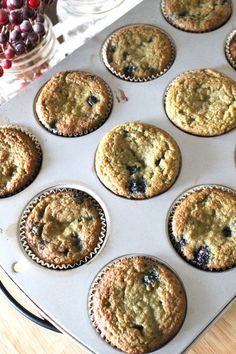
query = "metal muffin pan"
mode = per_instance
[{"x": 135, "y": 226}]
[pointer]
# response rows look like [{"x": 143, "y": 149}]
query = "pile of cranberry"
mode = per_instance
[{"x": 21, "y": 28}]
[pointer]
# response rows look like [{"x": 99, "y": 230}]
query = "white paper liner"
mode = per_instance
[
  {"x": 133, "y": 78},
  {"x": 86, "y": 131},
  {"x": 30, "y": 207},
  {"x": 103, "y": 271},
  {"x": 171, "y": 213},
  {"x": 229, "y": 57}
]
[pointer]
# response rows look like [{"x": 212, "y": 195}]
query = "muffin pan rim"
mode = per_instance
[{"x": 131, "y": 238}]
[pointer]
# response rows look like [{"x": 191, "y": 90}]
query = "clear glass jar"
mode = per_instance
[
  {"x": 90, "y": 6},
  {"x": 27, "y": 67}
]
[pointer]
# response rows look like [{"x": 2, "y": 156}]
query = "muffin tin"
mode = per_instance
[{"x": 135, "y": 226}]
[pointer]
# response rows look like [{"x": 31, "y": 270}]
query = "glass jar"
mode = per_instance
[
  {"x": 27, "y": 67},
  {"x": 90, "y": 6}
]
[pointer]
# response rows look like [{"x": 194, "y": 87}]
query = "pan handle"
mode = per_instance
[{"x": 39, "y": 321}]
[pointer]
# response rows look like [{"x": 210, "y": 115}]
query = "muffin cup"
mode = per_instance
[
  {"x": 35, "y": 201},
  {"x": 55, "y": 132},
  {"x": 185, "y": 131},
  {"x": 39, "y": 151},
  {"x": 229, "y": 57},
  {"x": 99, "y": 276},
  {"x": 133, "y": 79},
  {"x": 172, "y": 23},
  {"x": 170, "y": 216},
  {"x": 141, "y": 198}
]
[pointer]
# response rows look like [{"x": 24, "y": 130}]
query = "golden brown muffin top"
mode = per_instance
[
  {"x": 73, "y": 103},
  {"x": 63, "y": 227},
  {"x": 139, "y": 52},
  {"x": 137, "y": 160},
  {"x": 138, "y": 304},
  {"x": 195, "y": 15},
  {"x": 204, "y": 228},
  {"x": 20, "y": 160},
  {"x": 202, "y": 102}
]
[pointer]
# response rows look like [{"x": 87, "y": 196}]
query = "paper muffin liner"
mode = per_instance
[
  {"x": 228, "y": 55},
  {"x": 172, "y": 23},
  {"x": 171, "y": 213},
  {"x": 30, "y": 207},
  {"x": 86, "y": 131},
  {"x": 133, "y": 78},
  {"x": 103, "y": 271},
  {"x": 185, "y": 131},
  {"x": 39, "y": 151}
]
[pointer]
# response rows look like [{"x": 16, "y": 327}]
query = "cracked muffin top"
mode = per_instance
[
  {"x": 73, "y": 103},
  {"x": 202, "y": 102},
  {"x": 137, "y": 160},
  {"x": 138, "y": 304},
  {"x": 195, "y": 15},
  {"x": 63, "y": 227},
  {"x": 20, "y": 160},
  {"x": 139, "y": 52},
  {"x": 204, "y": 229}
]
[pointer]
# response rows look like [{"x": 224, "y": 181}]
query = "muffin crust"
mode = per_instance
[
  {"x": 139, "y": 52},
  {"x": 138, "y": 304},
  {"x": 20, "y": 160},
  {"x": 204, "y": 229},
  {"x": 195, "y": 15},
  {"x": 202, "y": 102},
  {"x": 137, "y": 160},
  {"x": 63, "y": 227},
  {"x": 73, "y": 103}
]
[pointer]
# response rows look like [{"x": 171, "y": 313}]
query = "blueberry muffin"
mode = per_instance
[
  {"x": 203, "y": 228},
  {"x": 202, "y": 102},
  {"x": 20, "y": 160},
  {"x": 195, "y": 15},
  {"x": 73, "y": 103},
  {"x": 230, "y": 49},
  {"x": 138, "y": 304},
  {"x": 137, "y": 160},
  {"x": 62, "y": 228},
  {"x": 138, "y": 52}
]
